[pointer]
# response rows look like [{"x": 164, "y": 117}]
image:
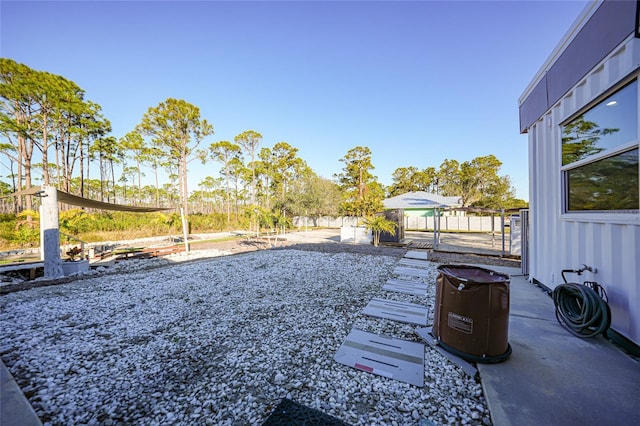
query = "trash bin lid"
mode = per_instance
[{"x": 473, "y": 274}]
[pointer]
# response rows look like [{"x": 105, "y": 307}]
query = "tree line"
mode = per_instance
[{"x": 47, "y": 117}]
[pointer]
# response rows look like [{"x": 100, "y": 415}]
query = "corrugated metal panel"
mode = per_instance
[
  {"x": 610, "y": 24},
  {"x": 591, "y": 45},
  {"x": 560, "y": 241}
]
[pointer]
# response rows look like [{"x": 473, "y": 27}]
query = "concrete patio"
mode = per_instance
[{"x": 553, "y": 377}]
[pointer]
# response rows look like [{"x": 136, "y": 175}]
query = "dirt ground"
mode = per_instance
[
  {"x": 240, "y": 246},
  {"x": 458, "y": 252}
]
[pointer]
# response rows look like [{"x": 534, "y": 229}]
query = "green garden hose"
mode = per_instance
[{"x": 581, "y": 310}]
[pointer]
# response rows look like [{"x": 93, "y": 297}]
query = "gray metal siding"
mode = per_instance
[
  {"x": 612, "y": 22},
  {"x": 534, "y": 105}
]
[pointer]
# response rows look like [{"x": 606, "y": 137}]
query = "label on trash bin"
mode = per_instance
[{"x": 460, "y": 323}]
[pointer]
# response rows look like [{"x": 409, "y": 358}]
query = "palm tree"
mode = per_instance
[{"x": 378, "y": 225}]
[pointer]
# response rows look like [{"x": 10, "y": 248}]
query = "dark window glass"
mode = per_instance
[
  {"x": 607, "y": 184},
  {"x": 609, "y": 124}
]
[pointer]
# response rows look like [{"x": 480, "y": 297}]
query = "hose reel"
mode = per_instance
[{"x": 582, "y": 309}]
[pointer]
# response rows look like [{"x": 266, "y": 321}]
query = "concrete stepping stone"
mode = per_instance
[
  {"x": 415, "y": 254},
  {"x": 397, "y": 311},
  {"x": 384, "y": 356},
  {"x": 407, "y": 287},
  {"x": 412, "y": 272},
  {"x": 414, "y": 262}
]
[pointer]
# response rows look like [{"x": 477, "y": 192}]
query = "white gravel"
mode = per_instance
[{"x": 221, "y": 341}]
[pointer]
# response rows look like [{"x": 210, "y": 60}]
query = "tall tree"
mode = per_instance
[
  {"x": 128, "y": 175},
  {"x": 77, "y": 123},
  {"x": 152, "y": 156},
  {"x": 236, "y": 171},
  {"x": 286, "y": 166},
  {"x": 475, "y": 182},
  {"x": 209, "y": 193},
  {"x": 64, "y": 128},
  {"x": 410, "y": 179},
  {"x": 224, "y": 152},
  {"x": 449, "y": 183},
  {"x": 264, "y": 169},
  {"x": 134, "y": 143},
  {"x": 402, "y": 180},
  {"x": 249, "y": 141},
  {"x": 17, "y": 122},
  {"x": 363, "y": 193},
  {"x": 51, "y": 94},
  {"x": 40, "y": 110},
  {"x": 91, "y": 126},
  {"x": 175, "y": 127},
  {"x": 107, "y": 151},
  {"x": 314, "y": 196}
]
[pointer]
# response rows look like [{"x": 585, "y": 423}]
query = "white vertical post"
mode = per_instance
[
  {"x": 493, "y": 230},
  {"x": 41, "y": 233},
  {"x": 502, "y": 227},
  {"x": 50, "y": 233},
  {"x": 185, "y": 230},
  {"x": 436, "y": 228},
  {"x": 439, "y": 226}
]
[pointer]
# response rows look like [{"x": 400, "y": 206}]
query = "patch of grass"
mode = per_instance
[
  {"x": 217, "y": 240},
  {"x": 19, "y": 259}
]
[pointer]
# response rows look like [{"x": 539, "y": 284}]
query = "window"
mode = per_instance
[{"x": 600, "y": 155}]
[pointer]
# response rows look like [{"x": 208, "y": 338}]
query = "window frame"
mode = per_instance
[{"x": 624, "y": 216}]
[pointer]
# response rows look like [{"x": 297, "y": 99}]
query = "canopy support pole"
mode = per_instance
[
  {"x": 185, "y": 230},
  {"x": 50, "y": 233}
]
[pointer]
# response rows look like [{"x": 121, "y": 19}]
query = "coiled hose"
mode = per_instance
[{"x": 581, "y": 310}]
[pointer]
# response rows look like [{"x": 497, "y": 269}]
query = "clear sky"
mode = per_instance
[{"x": 416, "y": 82}]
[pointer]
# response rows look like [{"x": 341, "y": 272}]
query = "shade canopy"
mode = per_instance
[{"x": 65, "y": 197}]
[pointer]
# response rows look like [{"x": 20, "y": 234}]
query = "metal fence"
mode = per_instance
[
  {"x": 301, "y": 222},
  {"x": 447, "y": 223},
  {"x": 456, "y": 223}
]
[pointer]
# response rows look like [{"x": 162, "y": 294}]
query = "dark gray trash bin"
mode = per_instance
[{"x": 471, "y": 316}]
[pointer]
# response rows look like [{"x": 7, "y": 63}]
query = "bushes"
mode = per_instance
[
  {"x": 23, "y": 230},
  {"x": 20, "y": 231},
  {"x": 75, "y": 221},
  {"x": 206, "y": 222}
]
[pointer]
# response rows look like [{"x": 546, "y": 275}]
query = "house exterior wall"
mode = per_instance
[
  {"x": 609, "y": 242},
  {"x": 418, "y": 212}
]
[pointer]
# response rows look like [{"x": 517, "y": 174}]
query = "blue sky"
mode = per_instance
[{"x": 417, "y": 82}]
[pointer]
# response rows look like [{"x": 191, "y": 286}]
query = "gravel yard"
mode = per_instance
[{"x": 222, "y": 340}]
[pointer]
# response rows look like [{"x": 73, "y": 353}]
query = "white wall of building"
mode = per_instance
[{"x": 608, "y": 242}]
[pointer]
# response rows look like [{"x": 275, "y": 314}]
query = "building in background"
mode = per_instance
[{"x": 421, "y": 203}]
